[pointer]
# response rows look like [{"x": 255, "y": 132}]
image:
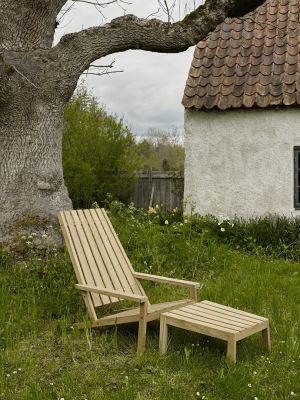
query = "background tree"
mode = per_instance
[
  {"x": 96, "y": 147},
  {"x": 162, "y": 149},
  {"x": 37, "y": 80}
]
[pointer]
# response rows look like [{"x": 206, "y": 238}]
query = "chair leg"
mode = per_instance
[
  {"x": 266, "y": 337},
  {"x": 231, "y": 348},
  {"x": 163, "y": 335},
  {"x": 142, "y": 328}
]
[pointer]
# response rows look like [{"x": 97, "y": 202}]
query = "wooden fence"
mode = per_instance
[{"x": 158, "y": 187}]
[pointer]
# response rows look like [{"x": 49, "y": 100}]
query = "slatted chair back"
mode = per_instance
[{"x": 97, "y": 255}]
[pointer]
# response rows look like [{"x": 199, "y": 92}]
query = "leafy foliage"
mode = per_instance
[
  {"x": 96, "y": 147},
  {"x": 162, "y": 150}
]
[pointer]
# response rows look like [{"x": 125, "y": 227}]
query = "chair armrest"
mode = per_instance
[
  {"x": 111, "y": 292},
  {"x": 163, "y": 279}
]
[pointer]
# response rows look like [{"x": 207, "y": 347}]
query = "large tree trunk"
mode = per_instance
[
  {"x": 36, "y": 82},
  {"x": 32, "y": 187},
  {"x": 31, "y": 167}
]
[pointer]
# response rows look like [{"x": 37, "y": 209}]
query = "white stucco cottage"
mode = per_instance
[{"x": 242, "y": 115}]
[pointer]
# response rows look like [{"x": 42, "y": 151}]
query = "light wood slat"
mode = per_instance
[
  {"x": 81, "y": 256},
  {"x": 101, "y": 240},
  {"x": 76, "y": 264},
  {"x": 113, "y": 265},
  {"x": 226, "y": 317},
  {"x": 254, "y": 329},
  {"x": 140, "y": 287},
  {"x": 204, "y": 329},
  {"x": 224, "y": 312},
  {"x": 89, "y": 228},
  {"x": 163, "y": 279},
  {"x": 212, "y": 323},
  {"x": 235, "y": 311},
  {"x": 116, "y": 246},
  {"x": 87, "y": 242},
  {"x": 111, "y": 292},
  {"x": 126, "y": 259},
  {"x": 133, "y": 314},
  {"x": 198, "y": 311}
]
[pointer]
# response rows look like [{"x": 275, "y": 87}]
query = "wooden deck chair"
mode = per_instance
[{"x": 105, "y": 275}]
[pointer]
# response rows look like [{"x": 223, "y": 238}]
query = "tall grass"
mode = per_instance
[{"x": 44, "y": 356}]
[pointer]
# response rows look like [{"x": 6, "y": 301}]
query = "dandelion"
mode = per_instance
[
  {"x": 161, "y": 205},
  {"x": 157, "y": 206},
  {"x": 166, "y": 222},
  {"x": 185, "y": 221},
  {"x": 222, "y": 229},
  {"x": 185, "y": 214}
]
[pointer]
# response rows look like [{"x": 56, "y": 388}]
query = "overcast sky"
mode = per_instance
[{"x": 149, "y": 91}]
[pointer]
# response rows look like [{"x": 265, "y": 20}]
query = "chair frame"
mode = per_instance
[{"x": 99, "y": 259}]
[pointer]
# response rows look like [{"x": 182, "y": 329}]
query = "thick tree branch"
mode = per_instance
[{"x": 79, "y": 49}]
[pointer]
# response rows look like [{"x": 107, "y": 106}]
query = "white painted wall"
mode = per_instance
[{"x": 240, "y": 162}]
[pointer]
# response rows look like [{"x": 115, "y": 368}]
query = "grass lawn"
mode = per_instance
[{"x": 44, "y": 356}]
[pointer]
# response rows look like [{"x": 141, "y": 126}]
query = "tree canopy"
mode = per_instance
[{"x": 38, "y": 79}]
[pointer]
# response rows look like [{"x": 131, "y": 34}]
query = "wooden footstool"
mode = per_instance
[{"x": 215, "y": 320}]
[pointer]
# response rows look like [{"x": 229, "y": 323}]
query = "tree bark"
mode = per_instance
[{"x": 37, "y": 80}]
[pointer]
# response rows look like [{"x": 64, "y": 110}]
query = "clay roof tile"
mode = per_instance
[{"x": 249, "y": 61}]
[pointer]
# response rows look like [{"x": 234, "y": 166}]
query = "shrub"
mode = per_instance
[{"x": 96, "y": 146}]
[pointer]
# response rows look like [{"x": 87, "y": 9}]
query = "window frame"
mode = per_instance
[{"x": 296, "y": 181}]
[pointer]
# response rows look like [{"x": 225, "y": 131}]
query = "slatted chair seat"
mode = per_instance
[{"x": 105, "y": 274}]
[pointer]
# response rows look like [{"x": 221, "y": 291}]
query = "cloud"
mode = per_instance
[{"x": 149, "y": 91}]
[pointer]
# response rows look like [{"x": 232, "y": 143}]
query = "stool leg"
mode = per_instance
[
  {"x": 266, "y": 337},
  {"x": 163, "y": 335},
  {"x": 231, "y": 348}
]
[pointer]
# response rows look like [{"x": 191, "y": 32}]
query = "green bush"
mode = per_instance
[{"x": 96, "y": 146}]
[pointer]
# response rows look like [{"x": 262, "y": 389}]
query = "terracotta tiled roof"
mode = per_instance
[{"x": 249, "y": 62}]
